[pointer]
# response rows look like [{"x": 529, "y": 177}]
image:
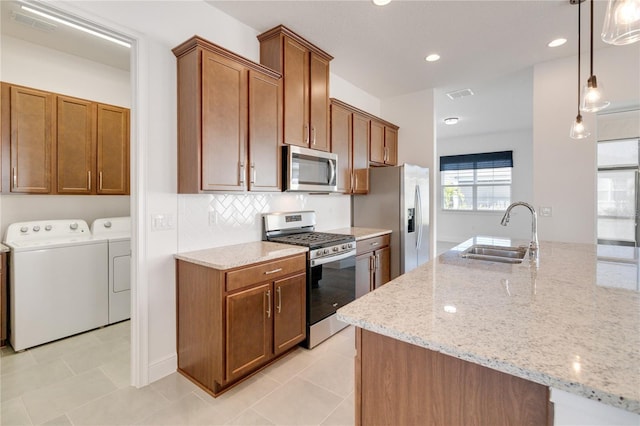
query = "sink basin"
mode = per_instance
[{"x": 495, "y": 253}]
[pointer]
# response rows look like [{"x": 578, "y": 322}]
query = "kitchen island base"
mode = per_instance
[{"x": 397, "y": 383}]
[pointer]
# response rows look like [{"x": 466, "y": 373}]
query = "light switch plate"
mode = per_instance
[
  {"x": 162, "y": 221},
  {"x": 546, "y": 211}
]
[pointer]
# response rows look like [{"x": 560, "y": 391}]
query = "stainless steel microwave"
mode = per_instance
[{"x": 308, "y": 170}]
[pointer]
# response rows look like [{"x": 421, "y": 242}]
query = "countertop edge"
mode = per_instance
[{"x": 198, "y": 257}]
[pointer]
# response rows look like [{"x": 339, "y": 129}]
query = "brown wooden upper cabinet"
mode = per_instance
[
  {"x": 305, "y": 72},
  {"x": 384, "y": 144},
  {"x": 229, "y": 121},
  {"x": 350, "y": 140},
  {"x": 57, "y": 144}
]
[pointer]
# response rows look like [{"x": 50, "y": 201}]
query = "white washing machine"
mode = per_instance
[
  {"x": 117, "y": 232},
  {"x": 57, "y": 281}
]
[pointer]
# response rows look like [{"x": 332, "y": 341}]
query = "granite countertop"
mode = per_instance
[
  {"x": 569, "y": 320},
  {"x": 228, "y": 257},
  {"x": 361, "y": 233},
  {"x": 4, "y": 249}
]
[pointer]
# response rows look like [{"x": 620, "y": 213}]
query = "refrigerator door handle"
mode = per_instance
[{"x": 418, "y": 204}]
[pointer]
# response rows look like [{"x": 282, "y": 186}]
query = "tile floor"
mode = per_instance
[{"x": 84, "y": 380}]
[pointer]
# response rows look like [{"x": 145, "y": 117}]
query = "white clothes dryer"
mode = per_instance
[
  {"x": 117, "y": 232},
  {"x": 57, "y": 281}
]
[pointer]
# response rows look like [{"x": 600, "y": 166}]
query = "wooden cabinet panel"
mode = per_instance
[
  {"x": 31, "y": 140},
  {"x": 296, "y": 94},
  {"x": 391, "y": 146},
  {"x": 251, "y": 275},
  {"x": 224, "y": 106},
  {"x": 341, "y": 145},
  {"x": 113, "y": 150},
  {"x": 370, "y": 244},
  {"x": 289, "y": 326},
  {"x": 75, "y": 137},
  {"x": 376, "y": 144},
  {"x": 373, "y": 263},
  {"x": 249, "y": 316},
  {"x": 360, "y": 154},
  {"x": 363, "y": 274},
  {"x": 265, "y": 132},
  {"x": 382, "y": 273},
  {"x": 319, "y": 102}
]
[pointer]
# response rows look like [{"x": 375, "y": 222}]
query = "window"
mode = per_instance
[{"x": 476, "y": 182}]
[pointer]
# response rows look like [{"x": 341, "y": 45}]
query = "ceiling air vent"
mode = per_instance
[
  {"x": 33, "y": 22},
  {"x": 457, "y": 94}
]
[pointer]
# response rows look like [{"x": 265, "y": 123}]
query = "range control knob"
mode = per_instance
[
  {"x": 36, "y": 228},
  {"x": 350, "y": 245},
  {"x": 336, "y": 248},
  {"x": 48, "y": 228},
  {"x": 344, "y": 246},
  {"x": 24, "y": 229},
  {"x": 73, "y": 226},
  {"x": 319, "y": 253},
  {"x": 326, "y": 251}
]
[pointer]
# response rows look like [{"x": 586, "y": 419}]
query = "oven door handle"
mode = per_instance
[{"x": 341, "y": 256}]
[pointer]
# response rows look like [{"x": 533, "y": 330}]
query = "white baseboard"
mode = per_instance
[{"x": 162, "y": 368}]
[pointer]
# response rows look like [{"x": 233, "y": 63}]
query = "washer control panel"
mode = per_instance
[{"x": 47, "y": 230}]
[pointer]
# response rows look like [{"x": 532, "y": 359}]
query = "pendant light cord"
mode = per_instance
[
  {"x": 591, "y": 50},
  {"x": 579, "y": 32}
]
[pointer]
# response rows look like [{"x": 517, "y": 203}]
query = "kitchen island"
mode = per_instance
[{"x": 468, "y": 326}]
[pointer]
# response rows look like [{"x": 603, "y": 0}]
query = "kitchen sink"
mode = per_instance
[{"x": 495, "y": 253}]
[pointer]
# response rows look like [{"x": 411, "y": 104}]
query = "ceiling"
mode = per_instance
[{"x": 486, "y": 46}]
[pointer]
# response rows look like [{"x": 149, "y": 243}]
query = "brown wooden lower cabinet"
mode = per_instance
[
  {"x": 398, "y": 383},
  {"x": 373, "y": 264},
  {"x": 231, "y": 323}
]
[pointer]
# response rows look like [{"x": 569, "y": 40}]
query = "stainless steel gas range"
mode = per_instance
[{"x": 331, "y": 269}]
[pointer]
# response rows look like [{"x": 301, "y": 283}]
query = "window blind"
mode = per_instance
[{"x": 488, "y": 160}]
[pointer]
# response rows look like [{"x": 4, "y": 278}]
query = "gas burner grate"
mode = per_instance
[{"x": 312, "y": 239}]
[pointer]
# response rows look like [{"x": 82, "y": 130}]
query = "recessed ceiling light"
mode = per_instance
[
  {"x": 557, "y": 42},
  {"x": 451, "y": 120},
  {"x": 432, "y": 58},
  {"x": 381, "y": 2}
]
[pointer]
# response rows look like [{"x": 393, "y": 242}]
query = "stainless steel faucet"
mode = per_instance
[{"x": 533, "y": 245}]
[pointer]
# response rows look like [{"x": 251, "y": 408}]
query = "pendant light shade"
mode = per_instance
[
  {"x": 592, "y": 97},
  {"x": 578, "y": 130},
  {"x": 622, "y": 22}
]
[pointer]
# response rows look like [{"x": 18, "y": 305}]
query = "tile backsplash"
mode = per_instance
[{"x": 206, "y": 221}]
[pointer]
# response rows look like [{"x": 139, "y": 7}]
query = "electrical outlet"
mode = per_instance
[{"x": 545, "y": 211}]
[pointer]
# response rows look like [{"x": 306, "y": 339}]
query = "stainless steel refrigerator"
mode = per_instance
[{"x": 398, "y": 199}]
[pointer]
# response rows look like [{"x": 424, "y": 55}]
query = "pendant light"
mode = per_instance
[
  {"x": 578, "y": 131},
  {"x": 622, "y": 22},
  {"x": 592, "y": 98}
]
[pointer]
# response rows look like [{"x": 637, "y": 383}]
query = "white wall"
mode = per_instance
[
  {"x": 459, "y": 226},
  {"x": 414, "y": 114},
  {"x": 564, "y": 170}
]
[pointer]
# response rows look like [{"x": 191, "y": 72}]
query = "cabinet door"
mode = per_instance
[
  {"x": 31, "y": 140},
  {"x": 382, "y": 273},
  {"x": 75, "y": 144},
  {"x": 376, "y": 143},
  {"x": 265, "y": 132},
  {"x": 341, "y": 145},
  {"x": 290, "y": 307},
  {"x": 296, "y": 94},
  {"x": 224, "y": 124},
  {"x": 391, "y": 146},
  {"x": 360, "y": 154},
  {"x": 319, "y": 105},
  {"x": 249, "y": 328},
  {"x": 364, "y": 273},
  {"x": 112, "y": 150}
]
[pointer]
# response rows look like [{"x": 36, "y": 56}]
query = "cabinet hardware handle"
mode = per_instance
[
  {"x": 253, "y": 173},
  {"x": 241, "y": 171},
  {"x": 386, "y": 154},
  {"x": 15, "y": 177},
  {"x": 306, "y": 134},
  {"x": 371, "y": 263},
  {"x": 89, "y": 179},
  {"x": 374, "y": 244},
  {"x": 100, "y": 181},
  {"x": 313, "y": 131},
  {"x": 272, "y": 272},
  {"x": 279, "y": 306},
  {"x": 377, "y": 262},
  {"x": 268, "y": 303}
]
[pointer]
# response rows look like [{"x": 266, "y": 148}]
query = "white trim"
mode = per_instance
[
  {"x": 138, "y": 148},
  {"x": 163, "y": 367}
]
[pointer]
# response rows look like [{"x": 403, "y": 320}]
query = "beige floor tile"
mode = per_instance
[
  {"x": 333, "y": 372},
  {"x": 124, "y": 406},
  {"x": 14, "y": 413},
  {"x": 298, "y": 402},
  {"x": 188, "y": 410},
  {"x": 173, "y": 387},
  {"x": 63, "y": 420},
  {"x": 286, "y": 368},
  {"x": 243, "y": 396},
  {"x": 16, "y": 384},
  {"x": 119, "y": 370},
  {"x": 11, "y": 362},
  {"x": 114, "y": 331},
  {"x": 94, "y": 356},
  {"x": 344, "y": 415},
  {"x": 249, "y": 418},
  {"x": 53, "y": 350},
  {"x": 54, "y": 400}
]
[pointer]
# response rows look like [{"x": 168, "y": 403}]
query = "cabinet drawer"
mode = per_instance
[
  {"x": 371, "y": 244},
  {"x": 265, "y": 272}
]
